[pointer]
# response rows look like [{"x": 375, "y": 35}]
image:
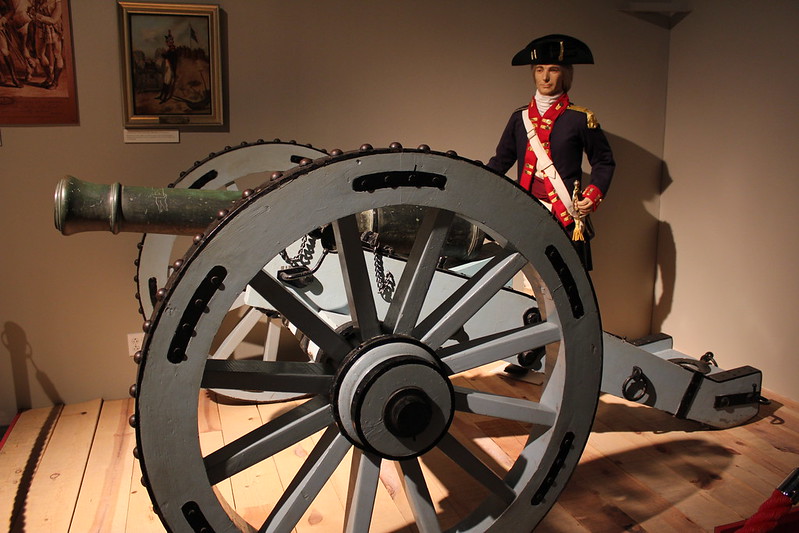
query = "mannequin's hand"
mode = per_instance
[{"x": 584, "y": 206}]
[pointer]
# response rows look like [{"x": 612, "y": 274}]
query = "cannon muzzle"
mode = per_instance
[{"x": 82, "y": 206}]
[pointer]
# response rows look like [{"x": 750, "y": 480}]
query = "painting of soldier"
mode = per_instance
[
  {"x": 37, "y": 75},
  {"x": 172, "y": 72}
]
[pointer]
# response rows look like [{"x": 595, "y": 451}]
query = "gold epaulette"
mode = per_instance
[{"x": 589, "y": 115}]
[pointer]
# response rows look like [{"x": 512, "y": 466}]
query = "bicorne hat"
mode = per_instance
[{"x": 554, "y": 49}]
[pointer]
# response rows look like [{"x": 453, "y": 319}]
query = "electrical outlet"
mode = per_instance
[{"x": 135, "y": 341}]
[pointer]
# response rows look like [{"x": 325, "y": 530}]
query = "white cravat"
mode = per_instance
[{"x": 545, "y": 102}]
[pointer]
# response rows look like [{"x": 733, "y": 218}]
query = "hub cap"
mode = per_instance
[{"x": 393, "y": 399}]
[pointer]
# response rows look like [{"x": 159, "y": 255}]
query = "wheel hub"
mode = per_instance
[
  {"x": 392, "y": 398},
  {"x": 408, "y": 412}
]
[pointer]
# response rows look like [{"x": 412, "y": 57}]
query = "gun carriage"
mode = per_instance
[{"x": 483, "y": 275}]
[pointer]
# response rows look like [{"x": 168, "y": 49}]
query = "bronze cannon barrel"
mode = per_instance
[{"x": 82, "y": 206}]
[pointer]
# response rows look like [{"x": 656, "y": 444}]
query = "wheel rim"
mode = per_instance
[{"x": 174, "y": 367}]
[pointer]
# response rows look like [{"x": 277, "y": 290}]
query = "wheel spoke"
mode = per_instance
[
  {"x": 315, "y": 471},
  {"x": 476, "y": 468},
  {"x": 262, "y": 443},
  {"x": 509, "y": 408},
  {"x": 448, "y": 317},
  {"x": 273, "y": 376},
  {"x": 477, "y": 352},
  {"x": 357, "y": 282},
  {"x": 295, "y": 311},
  {"x": 364, "y": 476},
  {"x": 238, "y": 333},
  {"x": 272, "y": 340},
  {"x": 419, "y": 496},
  {"x": 412, "y": 288}
]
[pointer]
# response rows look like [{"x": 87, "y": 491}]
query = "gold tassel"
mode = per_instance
[{"x": 577, "y": 234}]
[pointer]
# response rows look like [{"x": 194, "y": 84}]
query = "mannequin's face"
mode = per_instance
[{"x": 548, "y": 79}]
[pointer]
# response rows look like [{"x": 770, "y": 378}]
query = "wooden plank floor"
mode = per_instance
[{"x": 70, "y": 469}]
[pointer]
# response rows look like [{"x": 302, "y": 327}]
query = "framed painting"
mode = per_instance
[
  {"x": 172, "y": 73},
  {"x": 37, "y": 67}
]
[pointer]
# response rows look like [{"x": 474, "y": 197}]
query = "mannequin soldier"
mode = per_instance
[{"x": 550, "y": 130}]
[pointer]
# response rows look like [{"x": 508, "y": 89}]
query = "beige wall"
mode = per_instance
[
  {"x": 334, "y": 74},
  {"x": 729, "y": 224}
]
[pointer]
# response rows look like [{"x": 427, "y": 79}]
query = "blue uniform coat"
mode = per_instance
[{"x": 570, "y": 137}]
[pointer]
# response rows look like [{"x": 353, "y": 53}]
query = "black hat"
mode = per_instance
[{"x": 554, "y": 49}]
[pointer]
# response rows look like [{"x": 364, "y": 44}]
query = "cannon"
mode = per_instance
[{"x": 381, "y": 364}]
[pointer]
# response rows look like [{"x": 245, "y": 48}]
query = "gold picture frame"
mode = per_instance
[{"x": 171, "y": 56}]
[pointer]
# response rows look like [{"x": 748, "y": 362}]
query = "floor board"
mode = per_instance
[{"x": 71, "y": 469}]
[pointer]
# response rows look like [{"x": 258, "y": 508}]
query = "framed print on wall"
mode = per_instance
[
  {"x": 37, "y": 64},
  {"x": 171, "y": 65}
]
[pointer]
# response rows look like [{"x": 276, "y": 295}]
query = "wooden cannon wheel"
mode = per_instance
[{"x": 382, "y": 386}]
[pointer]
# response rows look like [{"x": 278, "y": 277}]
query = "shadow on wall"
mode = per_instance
[
  {"x": 16, "y": 342},
  {"x": 629, "y": 250},
  {"x": 666, "y": 261}
]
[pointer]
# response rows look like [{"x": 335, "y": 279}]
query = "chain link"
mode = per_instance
[
  {"x": 304, "y": 254},
  {"x": 385, "y": 282}
]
